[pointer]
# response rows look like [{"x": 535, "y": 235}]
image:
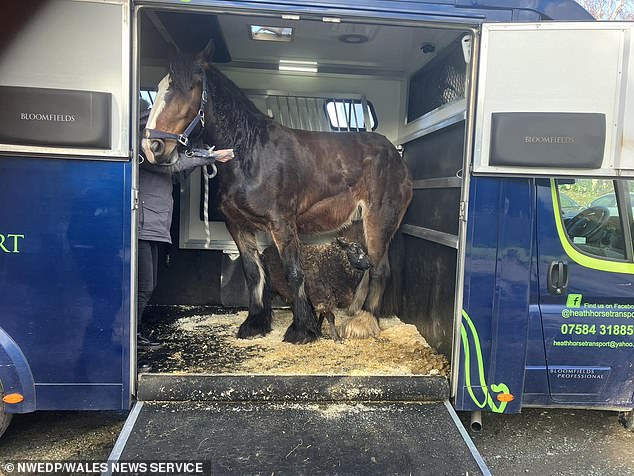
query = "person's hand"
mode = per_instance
[{"x": 223, "y": 155}]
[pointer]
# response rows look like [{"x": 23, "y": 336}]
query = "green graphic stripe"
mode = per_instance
[
  {"x": 467, "y": 358},
  {"x": 576, "y": 255},
  {"x": 498, "y": 388}
]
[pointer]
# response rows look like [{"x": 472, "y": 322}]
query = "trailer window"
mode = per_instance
[
  {"x": 592, "y": 216},
  {"x": 149, "y": 96},
  {"x": 348, "y": 115}
]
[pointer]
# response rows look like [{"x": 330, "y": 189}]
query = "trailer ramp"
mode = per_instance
[{"x": 299, "y": 425}]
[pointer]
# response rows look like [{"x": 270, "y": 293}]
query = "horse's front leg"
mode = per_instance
[
  {"x": 258, "y": 322},
  {"x": 304, "y": 327}
]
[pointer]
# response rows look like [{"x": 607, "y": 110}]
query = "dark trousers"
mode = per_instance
[{"x": 147, "y": 274}]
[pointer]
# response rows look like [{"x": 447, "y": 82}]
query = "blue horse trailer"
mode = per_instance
[{"x": 514, "y": 261}]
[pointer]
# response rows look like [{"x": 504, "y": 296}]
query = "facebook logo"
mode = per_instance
[{"x": 574, "y": 300}]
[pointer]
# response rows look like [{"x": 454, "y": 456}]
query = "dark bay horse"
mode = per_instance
[{"x": 284, "y": 181}]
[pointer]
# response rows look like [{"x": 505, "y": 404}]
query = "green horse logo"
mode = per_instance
[{"x": 503, "y": 394}]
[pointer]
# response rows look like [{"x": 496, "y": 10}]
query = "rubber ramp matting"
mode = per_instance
[{"x": 244, "y": 438}]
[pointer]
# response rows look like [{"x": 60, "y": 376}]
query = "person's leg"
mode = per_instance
[
  {"x": 146, "y": 282},
  {"x": 146, "y": 278},
  {"x": 155, "y": 256}
]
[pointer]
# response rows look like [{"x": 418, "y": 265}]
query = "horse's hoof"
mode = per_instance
[
  {"x": 362, "y": 326},
  {"x": 294, "y": 336},
  {"x": 353, "y": 309},
  {"x": 334, "y": 335},
  {"x": 248, "y": 331}
]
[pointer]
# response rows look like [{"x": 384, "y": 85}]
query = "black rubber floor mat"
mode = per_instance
[{"x": 303, "y": 438}]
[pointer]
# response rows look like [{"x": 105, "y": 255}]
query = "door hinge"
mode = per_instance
[
  {"x": 135, "y": 199},
  {"x": 462, "y": 215}
]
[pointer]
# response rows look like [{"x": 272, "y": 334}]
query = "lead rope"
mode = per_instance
[{"x": 208, "y": 176}]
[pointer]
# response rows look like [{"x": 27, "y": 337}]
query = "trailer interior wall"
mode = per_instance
[
  {"x": 424, "y": 257},
  {"x": 422, "y": 285}
]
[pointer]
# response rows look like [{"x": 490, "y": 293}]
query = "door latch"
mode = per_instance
[{"x": 557, "y": 278}]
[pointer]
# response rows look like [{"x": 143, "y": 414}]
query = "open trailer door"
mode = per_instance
[
  {"x": 65, "y": 178},
  {"x": 555, "y": 99}
]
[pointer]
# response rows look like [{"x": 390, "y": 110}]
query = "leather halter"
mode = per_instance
[{"x": 183, "y": 138}]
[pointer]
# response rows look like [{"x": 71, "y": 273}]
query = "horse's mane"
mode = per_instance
[
  {"x": 237, "y": 119},
  {"x": 235, "y": 122}
]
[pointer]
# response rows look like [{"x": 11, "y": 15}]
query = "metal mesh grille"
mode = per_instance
[{"x": 439, "y": 82}]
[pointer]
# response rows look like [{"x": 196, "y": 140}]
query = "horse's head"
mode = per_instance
[{"x": 179, "y": 107}]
